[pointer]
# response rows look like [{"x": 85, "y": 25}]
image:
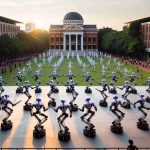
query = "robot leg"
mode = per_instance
[
  {"x": 8, "y": 113},
  {"x": 142, "y": 123},
  {"x": 90, "y": 117},
  {"x": 144, "y": 114},
  {"x": 39, "y": 130},
  {"x": 118, "y": 116},
  {"x": 82, "y": 117},
  {"x": 29, "y": 96},
  {"x": 6, "y": 124},
  {"x": 1, "y": 89}
]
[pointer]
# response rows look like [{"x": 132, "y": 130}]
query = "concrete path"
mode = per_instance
[{"x": 21, "y": 135}]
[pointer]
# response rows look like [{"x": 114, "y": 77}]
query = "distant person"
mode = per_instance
[{"x": 131, "y": 146}]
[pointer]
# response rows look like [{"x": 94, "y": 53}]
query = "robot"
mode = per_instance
[
  {"x": 148, "y": 90},
  {"x": 132, "y": 80},
  {"x": 38, "y": 82},
  {"x": 64, "y": 134},
  {"x": 70, "y": 87},
  {"x": 70, "y": 75},
  {"x": 1, "y": 83},
  {"x": 105, "y": 86},
  {"x": 89, "y": 130},
  {"x": 148, "y": 82},
  {"x": 128, "y": 89},
  {"x": 142, "y": 123},
  {"x": 27, "y": 105},
  {"x": 89, "y": 80},
  {"x": 52, "y": 102},
  {"x": 114, "y": 80},
  {"x": 116, "y": 124},
  {"x": 53, "y": 87},
  {"x": 39, "y": 130},
  {"x": 19, "y": 79},
  {"x": 73, "y": 106},
  {"x": 7, "y": 124},
  {"x": 55, "y": 75}
]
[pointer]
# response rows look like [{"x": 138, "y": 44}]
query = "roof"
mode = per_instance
[
  {"x": 56, "y": 27},
  {"x": 7, "y": 20},
  {"x": 73, "y": 16},
  {"x": 142, "y": 20},
  {"x": 89, "y": 27},
  {"x": 86, "y": 27}
]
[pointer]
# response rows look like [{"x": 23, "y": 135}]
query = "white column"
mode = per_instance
[
  {"x": 64, "y": 39},
  {"x": 81, "y": 42},
  {"x": 76, "y": 42},
  {"x": 69, "y": 42}
]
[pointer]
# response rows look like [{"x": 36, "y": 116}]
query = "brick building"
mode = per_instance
[
  {"x": 9, "y": 27},
  {"x": 73, "y": 34},
  {"x": 145, "y": 33}
]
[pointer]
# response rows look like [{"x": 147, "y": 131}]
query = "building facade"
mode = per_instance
[
  {"x": 145, "y": 34},
  {"x": 73, "y": 35},
  {"x": 9, "y": 27},
  {"x": 29, "y": 27}
]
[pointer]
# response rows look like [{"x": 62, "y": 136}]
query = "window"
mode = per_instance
[
  {"x": 52, "y": 39},
  {"x": 52, "y": 46}
]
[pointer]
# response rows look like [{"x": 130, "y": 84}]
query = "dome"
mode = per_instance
[{"x": 73, "y": 16}]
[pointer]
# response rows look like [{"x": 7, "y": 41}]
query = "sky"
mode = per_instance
[{"x": 104, "y": 13}]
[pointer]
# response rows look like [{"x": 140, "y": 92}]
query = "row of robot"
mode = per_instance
[{"x": 64, "y": 133}]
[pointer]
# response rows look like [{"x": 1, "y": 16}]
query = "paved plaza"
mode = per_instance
[{"x": 21, "y": 135}]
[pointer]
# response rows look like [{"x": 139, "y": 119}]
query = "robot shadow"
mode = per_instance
[
  {"x": 23, "y": 126},
  {"x": 38, "y": 143},
  {"x": 4, "y": 137}
]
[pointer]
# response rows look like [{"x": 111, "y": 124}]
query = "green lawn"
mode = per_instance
[{"x": 63, "y": 70}]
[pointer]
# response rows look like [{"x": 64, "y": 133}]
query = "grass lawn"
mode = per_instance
[{"x": 10, "y": 78}]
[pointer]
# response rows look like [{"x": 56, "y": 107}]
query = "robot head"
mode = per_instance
[
  {"x": 1, "y": 77},
  {"x": 38, "y": 100},
  {"x": 113, "y": 73},
  {"x": 87, "y": 99},
  {"x": 126, "y": 82},
  {"x": 6, "y": 96},
  {"x": 63, "y": 101},
  {"x": 149, "y": 78},
  {"x": 27, "y": 82},
  {"x": 142, "y": 95},
  {"x": 51, "y": 81},
  {"x": 18, "y": 72},
  {"x": 115, "y": 98},
  {"x": 103, "y": 81},
  {"x": 133, "y": 73},
  {"x": 88, "y": 73}
]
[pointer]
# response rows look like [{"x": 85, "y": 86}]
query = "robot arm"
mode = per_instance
[
  {"x": 136, "y": 103},
  {"x": 111, "y": 107},
  {"x": 82, "y": 108},
  {"x": 31, "y": 110},
  {"x": 16, "y": 103},
  {"x": 44, "y": 109},
  {"x": 108, "y": 87},
  {"x": 94, "y": 107},
  {"x": 70, "y": 111},
  {"x": 56, "y": 110}
]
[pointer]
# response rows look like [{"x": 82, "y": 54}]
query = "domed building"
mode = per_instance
[{"x": 73, "y": 35}]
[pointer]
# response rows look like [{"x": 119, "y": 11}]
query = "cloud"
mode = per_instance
[{"x": 101, "y": 12}]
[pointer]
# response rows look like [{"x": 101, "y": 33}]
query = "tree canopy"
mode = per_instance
[
  {"x": 23, "y": 44},
  {"x": 125, "y": 42}
]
